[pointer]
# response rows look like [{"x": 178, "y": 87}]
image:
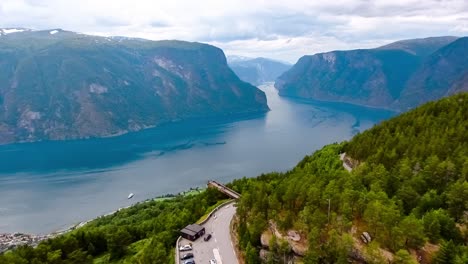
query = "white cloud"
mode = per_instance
[{"x": 277, "y": 28}]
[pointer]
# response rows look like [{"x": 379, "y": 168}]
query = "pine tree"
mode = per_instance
[{"x": 446, "y": 253}]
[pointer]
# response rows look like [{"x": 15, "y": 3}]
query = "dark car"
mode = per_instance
[
  {"x": 187, "y": 256},
  {"x": 190, "y": 261},
  {"x": 207, "y": 237}
]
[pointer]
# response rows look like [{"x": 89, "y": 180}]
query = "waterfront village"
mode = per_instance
[{"x": 10, "y": 241}]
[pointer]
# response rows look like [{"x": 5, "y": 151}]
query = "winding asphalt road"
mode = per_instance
[{"x": 220, "y": 245}]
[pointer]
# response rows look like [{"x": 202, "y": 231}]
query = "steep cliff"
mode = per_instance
[
  {"x": 397, "y": 76},
  {"x": 62, "y": 85}
]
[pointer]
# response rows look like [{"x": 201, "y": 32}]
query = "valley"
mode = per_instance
[{"x": 357, "y": 153}]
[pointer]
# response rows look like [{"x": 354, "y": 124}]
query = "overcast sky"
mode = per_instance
[{"x": 283, "y": 30}]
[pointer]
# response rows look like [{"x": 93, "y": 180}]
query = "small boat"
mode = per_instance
[{"x": 130, "y": 196}]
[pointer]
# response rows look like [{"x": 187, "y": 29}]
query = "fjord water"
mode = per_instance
[{"x": 48, "y": 186}]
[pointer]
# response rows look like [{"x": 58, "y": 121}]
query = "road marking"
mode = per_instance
[{"x": 217, "y": 256}]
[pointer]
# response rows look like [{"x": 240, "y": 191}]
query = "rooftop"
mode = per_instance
[{"x": 192, "y": 229}]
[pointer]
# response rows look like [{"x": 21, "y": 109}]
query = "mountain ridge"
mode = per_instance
[{"x": 420, "y": 46}]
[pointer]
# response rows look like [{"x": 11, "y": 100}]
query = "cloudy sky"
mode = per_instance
[{"x": 278, "y": 29}]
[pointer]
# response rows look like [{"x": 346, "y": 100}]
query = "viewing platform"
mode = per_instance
[{"x": 226, "y": 190}]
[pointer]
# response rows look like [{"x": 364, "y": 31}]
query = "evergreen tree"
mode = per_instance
[{"x": 446, "y": 253}]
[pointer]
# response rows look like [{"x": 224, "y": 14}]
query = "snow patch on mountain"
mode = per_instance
[{"x": 5, "y": 31}]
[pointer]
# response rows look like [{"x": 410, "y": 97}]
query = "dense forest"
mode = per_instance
[
  {"x": 144, "y": 233},
  {"x": 408, "y": 190}
]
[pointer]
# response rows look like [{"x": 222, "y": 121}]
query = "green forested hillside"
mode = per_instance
[
  {"x": 144, "y": 233},
  {"x": 409, "y": 190}
]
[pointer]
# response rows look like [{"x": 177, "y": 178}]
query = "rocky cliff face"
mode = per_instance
[
  {"x": 257, "y": 71},
  {"x": 386, "y": 77},
  {"x": 443, "y": 73},
  {"x": 62, "y": 85}
]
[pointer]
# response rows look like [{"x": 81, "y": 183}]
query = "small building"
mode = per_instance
[{"x": 192, "y": 232}]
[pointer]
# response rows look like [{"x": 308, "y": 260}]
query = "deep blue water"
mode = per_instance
[{"x": 48, "y": 186}]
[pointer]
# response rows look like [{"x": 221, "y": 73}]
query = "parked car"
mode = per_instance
[
  {"x": 190, "y": 261},
  {"x": 366, "y": 238},
  {"x": 187, "y": 256},
  {"x": 212, "y": 261},
  {"x": 185, "y": 248},
  {"x": 207, "y": 237}
]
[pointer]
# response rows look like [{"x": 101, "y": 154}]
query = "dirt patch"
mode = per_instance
[{"x": 425, "y": 254}]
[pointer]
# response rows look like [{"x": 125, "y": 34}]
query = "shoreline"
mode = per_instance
[
  {"x": 228, "y": 117},
  {"x": 9, "y": 241},
  {"x": 337, "y": 102}
]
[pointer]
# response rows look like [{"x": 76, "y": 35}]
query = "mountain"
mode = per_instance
[
  {"x": 57, "y": 84},
  {"x": 365, "y": 77},
  {"x": 257, "y": 71},
  {"x": 385, "y": 77}
]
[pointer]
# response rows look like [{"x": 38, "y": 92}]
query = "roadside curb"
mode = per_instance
[
  {"x": 177, "y": 253},
  {"x": 215, "y": 210}
]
